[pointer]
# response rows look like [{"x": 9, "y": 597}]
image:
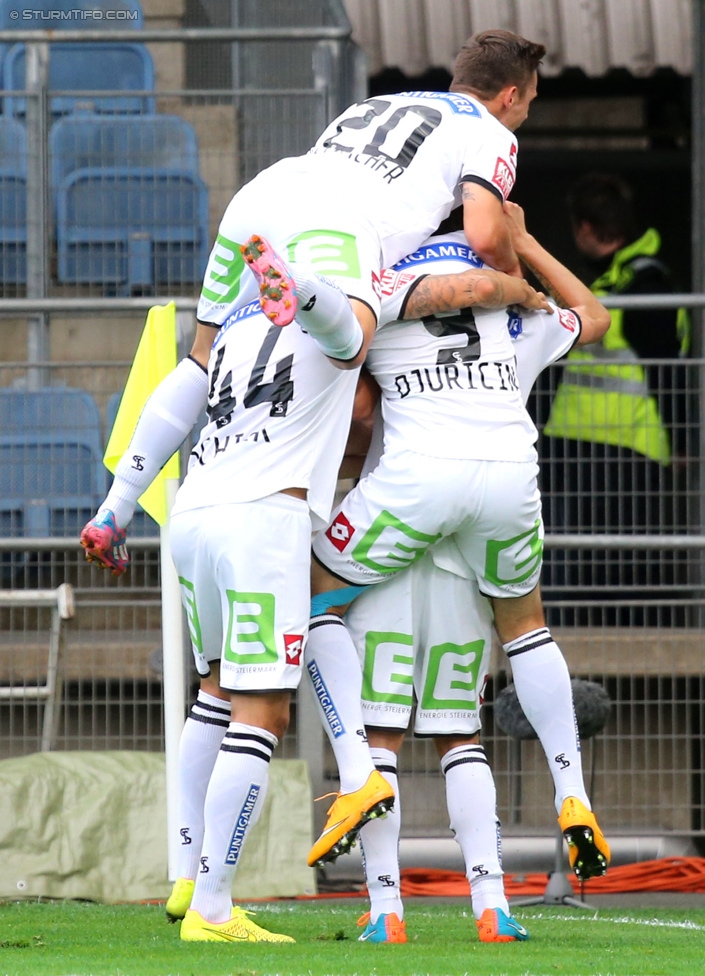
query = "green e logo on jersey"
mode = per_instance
[
  {"x": 388, "y": 675},
  {"x": 188, "y": 598},
  {"x": 514, "y": 560},
  {"x": 327, "y": 252},
  {"x": 451, "y": 679},
  {"x": 250, "y": 621},
  {"x": 221, "y": 283},
  {"x": 403, "y": 544}
]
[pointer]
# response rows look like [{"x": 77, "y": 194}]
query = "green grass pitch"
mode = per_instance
[{"x": 83, "y": 939}]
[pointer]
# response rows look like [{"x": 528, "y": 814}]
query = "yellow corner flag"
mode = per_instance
[{"x": 154, "y": 359}]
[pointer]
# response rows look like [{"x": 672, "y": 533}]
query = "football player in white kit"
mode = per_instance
[
  {"x": 426, "y": 634},
  {"x": 378, "y": 181},
  {"x": 459, "y": 460},
  {"x": 260, "y": 478}
]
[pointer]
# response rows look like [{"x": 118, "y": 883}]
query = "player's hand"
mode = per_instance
[
  {"x": 536, "y": 301},
  {"x": 104, "y": 542},
  {"x": 516, "y": 223}
]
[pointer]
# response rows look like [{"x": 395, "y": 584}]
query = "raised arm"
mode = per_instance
[
  {"x": 486, "y": 229},
  {"x": 567, "y": 290},
  {"x": 167, "y": 418}
]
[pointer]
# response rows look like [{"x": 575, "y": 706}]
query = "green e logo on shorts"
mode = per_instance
[
  {"x": 250, "y": 621},
  {"x": 188, "y": 598},
  {"x": 327, "y": 252},
  {"x": 514, "y": 560},
  {"x": 221, "y": 283},
  {"x": 451, "y": 678},
  {"x": 385, "y": 532},
  {"x": 388, "y": 671}
]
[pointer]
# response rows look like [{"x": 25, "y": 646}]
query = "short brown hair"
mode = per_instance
[{"x": 494, "y": 59}]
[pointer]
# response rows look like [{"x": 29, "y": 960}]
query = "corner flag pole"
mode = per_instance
[
  {"x": 156, "y": 358},
  {"x": 174, "y": 681}
]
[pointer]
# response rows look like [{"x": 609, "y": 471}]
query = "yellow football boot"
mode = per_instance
[
  {"x": 238, "y": 928},
  {"x": 588, "y": 851},
  {"x": 349, "y": 813}
]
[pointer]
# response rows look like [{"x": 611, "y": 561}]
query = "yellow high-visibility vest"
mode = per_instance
[{"x": 608, "y": 402}]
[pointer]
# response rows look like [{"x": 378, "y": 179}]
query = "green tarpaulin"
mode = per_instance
[{"x": 93, "y": 825}]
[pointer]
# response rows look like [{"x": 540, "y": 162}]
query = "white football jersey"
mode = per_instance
[
  {"x": 278, "y": 417},
  {"x": 451, "y": 385},
  {"x": 402, "y": 158}
]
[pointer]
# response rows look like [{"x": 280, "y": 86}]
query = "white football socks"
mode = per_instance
[
  {"x": 380, "y": 846},
  {"x": 472, "y": 807},
  {"x": 542, "y": 683},
  {"x": 324, "y": 311},
  {"x": 198, "y": 749},
  {"x": 334, "y": 668},
  {"x": 236, "y": 793}
]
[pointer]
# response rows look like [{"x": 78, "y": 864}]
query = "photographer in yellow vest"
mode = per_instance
[{"x": 614, "y": 423}]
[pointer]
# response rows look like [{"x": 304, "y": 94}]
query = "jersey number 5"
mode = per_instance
[{"x": 454, "y": 326}]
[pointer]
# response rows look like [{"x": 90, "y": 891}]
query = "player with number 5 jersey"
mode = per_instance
[
  {"x": 317, "y": 229},
  {"x": 459, "y": 464}
]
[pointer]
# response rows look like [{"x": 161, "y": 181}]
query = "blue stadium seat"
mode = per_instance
[
  {"x": 51, "y": 471},
  {"x": 86, "y": 140},
  {"x": 69, "y": 15},
  {"x": 107, "y": 66},
  {"x": 132, "y": 229},
  {"x": 13, "y": 202}
]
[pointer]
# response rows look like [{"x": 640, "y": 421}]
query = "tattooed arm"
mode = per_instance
[
  {"x": 568, "y": 290},
  {"x": 484, "y": 288},
  {"x": 486, "y": 229}
]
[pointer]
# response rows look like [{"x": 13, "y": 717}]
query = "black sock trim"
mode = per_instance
[
  {"x": 461, "y": 760},
  {"x": 225, "y": 710},
  {"x": 332, "y": 619},
  {"x": 210, "y": 720},
  {"x": 245, "y": 751},
  {"x": 386, "y": 769},
  {"x": 530, "y": 647},
  {"x": 249, "y": 737}
]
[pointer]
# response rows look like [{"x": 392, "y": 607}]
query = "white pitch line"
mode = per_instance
[{"x": 625, "y": 920}]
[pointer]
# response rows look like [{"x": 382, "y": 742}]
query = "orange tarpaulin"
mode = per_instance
[{"x": 685, "y": 874}]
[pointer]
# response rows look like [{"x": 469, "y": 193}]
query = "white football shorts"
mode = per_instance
[
  {"x": 492, "y": 510},
  {"x": 307, "y": 222},
  {"x": 244, "y": 570},
  {"x": 425, "y": 635}
]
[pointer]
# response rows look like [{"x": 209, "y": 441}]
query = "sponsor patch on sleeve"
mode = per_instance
[
  {"x": 394, "y": 281},
  {"x": 503, "y": 177},
  {"x": 568, "y": 319}
]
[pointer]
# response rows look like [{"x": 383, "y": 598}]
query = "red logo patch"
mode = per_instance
[
  {"x": 394, "y": 280},
  {"x": 376, "y": 284},
  {"x": 340, "y": 532},
  {"x": 568, "y": 319},
  {"x": 293, "y": 645},
  {"x": 513, "y": 156},
  {"x": 503, "y": 177}
]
